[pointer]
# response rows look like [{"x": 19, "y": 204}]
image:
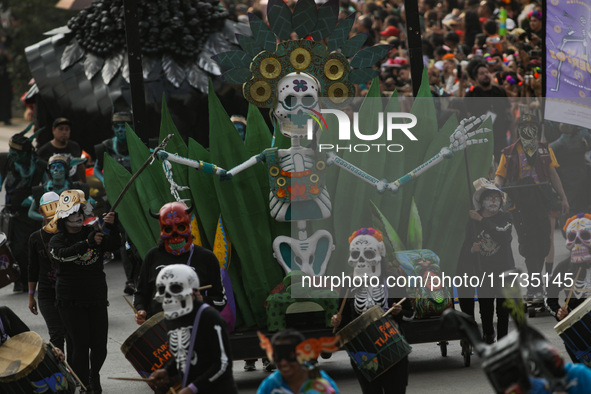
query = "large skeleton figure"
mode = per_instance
[
  {"x": 289, "y": 77},
  {"x": 296, "y": 174},
  {"x": 366, "y": 254}
]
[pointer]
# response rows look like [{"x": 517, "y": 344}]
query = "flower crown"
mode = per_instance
[
  {"x": 269, "y": 54},
  {"x": 367, "y": 231},
  {"x": 577, "y": 216},
  {"x": 535, "y": 13}
]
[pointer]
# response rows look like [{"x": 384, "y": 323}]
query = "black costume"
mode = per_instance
[
  {"x": 42, "y": 270},
  {"x": 494, "y": 236},
  {"x": 213, "y": 371},
  {"x": 205, "y": 263},
  {"x": 18, "y": 188},
  {"x": 10, "y": 324},
  {"x": 72, "y": 150},
  {"x": 81, "y": 293}
]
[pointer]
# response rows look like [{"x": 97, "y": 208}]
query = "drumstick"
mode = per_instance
[
  {"x": 130, "y": 304},
  {"x": 205, "y": 287},
  {"x": 391, "y": 309},
  {"x": 570, "y": 293},
  {"x": 71, "y": 370},
  {"x": 130, "y": 379},
  {"x": 341, "y": 308}
]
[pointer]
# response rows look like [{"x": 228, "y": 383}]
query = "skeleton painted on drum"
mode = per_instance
[
  {"x": 366, "y": 254},
  {"x": 197, "y": 335}
]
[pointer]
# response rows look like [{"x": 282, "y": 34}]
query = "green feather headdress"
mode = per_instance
[{"x": 322, "y": 51}]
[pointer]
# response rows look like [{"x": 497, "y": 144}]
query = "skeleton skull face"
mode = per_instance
[
  {"x": 174, "y": 290},
  {"x": 175, "y": 227},
  {"x": 578, "y": 240},
  {"x": 296, "y": 98},
  {"x": 365, "y": 255}
]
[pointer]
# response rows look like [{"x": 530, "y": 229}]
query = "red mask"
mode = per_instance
[{"x": 175, "y": 227}]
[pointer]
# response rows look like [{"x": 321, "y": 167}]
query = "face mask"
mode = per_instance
[
  {"x": 75, "y": 220},
  {"x": 528, "y": 135}
]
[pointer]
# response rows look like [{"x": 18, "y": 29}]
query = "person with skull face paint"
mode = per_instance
[
  {"x": 197, "y": 336},
  {"x": 367, "y": 254},
  {"x": 81, "y": 289},
  {"x": 577, "y": 267},
  {"x": 525, "y": 163},
  {"x": 116, "y": 147},
  {"x": 176, "y": 247},
  {"x": 58, "y": 168},
  {"x": 20, "y": 170},
  {"x": 486, "y": 249}
]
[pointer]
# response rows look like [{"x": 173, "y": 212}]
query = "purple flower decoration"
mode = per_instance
[{"x": 300, "y": 85}]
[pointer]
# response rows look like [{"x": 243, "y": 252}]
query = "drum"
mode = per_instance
[
  {"x": 147, "y": 348},
  {"x": 9, "y": 271},
  {"x": 28, "y": 365},
  {"x": 575, "y": 331},
  {"x": 374, "y": 343}
]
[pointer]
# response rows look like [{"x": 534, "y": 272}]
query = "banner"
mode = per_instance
[{"x": 568, "y": 66}]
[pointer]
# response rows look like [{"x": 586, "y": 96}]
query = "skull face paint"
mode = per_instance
[
  {"x": 491, "y": 202},
  {"x": 75, "y": 220},
  {"x": 57, "y": 172},
  {"x": 366, "y": 253},
  {"x": 175, "y": 228},
  {"x": 174, "y": 290},
  {"x": 297, "y": 96},
  {"x": 578, "y": 239},
  {"x": 119, "y": 131}
]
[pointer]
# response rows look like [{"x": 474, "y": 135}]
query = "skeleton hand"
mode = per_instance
[
  {"x": 225, "y": 175},
  {"x": 382, "y": 186},
  {"x": 392, "y": 186},
  {"x": 460, "y": 138},
  {"x": 162, "y": 155}
]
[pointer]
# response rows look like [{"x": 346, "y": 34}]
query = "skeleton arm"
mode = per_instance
[
  {"x": 247, "y": 164},
  {"x": 334, "y": 159},
  {"x": 459, "y": 140},
  {"x": 200, "y": 165}
]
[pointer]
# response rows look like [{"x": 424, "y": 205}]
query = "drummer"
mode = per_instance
[
  {"x": 176, "y": 247},
  {"x": 11, "y": 325},
  {"x": 367, "y": 242},
  {"x": 577, "y": 267}
]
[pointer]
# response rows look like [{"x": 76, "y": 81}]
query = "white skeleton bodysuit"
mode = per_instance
[{"x": 179, "y": 341}]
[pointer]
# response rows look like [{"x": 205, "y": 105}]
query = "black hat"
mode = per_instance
[
  {"x": 20, "y": 142},
  {"x": 60, "y": 121}
]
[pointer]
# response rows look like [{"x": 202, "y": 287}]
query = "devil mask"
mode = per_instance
[{"x": 175, "y": 227}]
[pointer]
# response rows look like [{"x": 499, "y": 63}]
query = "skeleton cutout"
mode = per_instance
[
  {"x": 578, "y": 239},
  {"x": 366, "y": 253},
  {"x": 297, "y": 97},
  {"x": 174, "y": 290},
  {"x": 310, "y": 255}
]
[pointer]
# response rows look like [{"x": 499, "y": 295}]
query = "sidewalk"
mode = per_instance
[{"x": 18, "y": 124}]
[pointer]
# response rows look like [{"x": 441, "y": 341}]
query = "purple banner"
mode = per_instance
[{"x": 568, "y": 66}]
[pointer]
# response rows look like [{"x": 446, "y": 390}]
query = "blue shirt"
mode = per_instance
[{"x": 274, "y": 384}]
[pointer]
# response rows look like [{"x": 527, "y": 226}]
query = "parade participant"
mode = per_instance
[
  {"x": 62, "y": 144},
  {"x": 176, "y": 247},
  {"x": 20, "y": 171},
  {"x": 116, "y": 147},
  {"x": 525, "y": 163},
  {"x": 58, "y": 167},
  {"x": 577, "y": 268},
  {"x": 197, "y": 336},
  {"x": 486, "y": 249},
  {"x": 366, "y": 254},
  {"x": 10, "y": 324},
  {"x": 291, "y": 377},
  {"x": 81, "y": 289},
  {"x": 42, "y": 271}
]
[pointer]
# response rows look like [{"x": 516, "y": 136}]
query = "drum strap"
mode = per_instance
[{"x": 192, "y": 345}]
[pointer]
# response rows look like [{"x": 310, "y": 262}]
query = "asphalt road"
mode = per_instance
[{"x": 429, "y": 371}]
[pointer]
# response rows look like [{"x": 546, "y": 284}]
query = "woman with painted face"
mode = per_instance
[
  {"x": 58, "y": 168},
  {"x": 486, "y": 250},
  {"x": 81, "y": 289}
]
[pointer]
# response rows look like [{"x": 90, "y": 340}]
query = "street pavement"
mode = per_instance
[{"x": 429, "y": 371}]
